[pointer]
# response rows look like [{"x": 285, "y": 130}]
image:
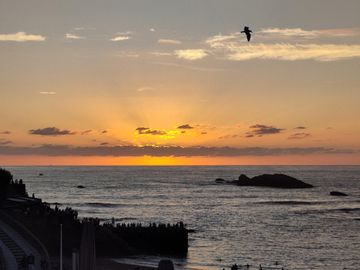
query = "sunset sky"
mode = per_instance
[{"x": 162, "y": 82}]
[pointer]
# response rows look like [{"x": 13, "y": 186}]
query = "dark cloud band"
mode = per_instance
[
  {"x": 177, "y": 151},
  {"x": 50, "y": 131},
  {"x": 261, "y": 130},
  {"x": 148, "y": 131},
  {"x": 186, "y": 126}
]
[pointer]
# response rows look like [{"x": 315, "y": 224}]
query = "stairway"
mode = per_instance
[{"x": 15, "y": 249}]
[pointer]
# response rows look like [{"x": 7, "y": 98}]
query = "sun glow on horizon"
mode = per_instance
[{"x": 178, "y": 161}]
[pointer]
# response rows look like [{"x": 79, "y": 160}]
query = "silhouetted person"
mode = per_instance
[
  {"x": 247, "y": 32},
  {"x": 23, "y": 262}
]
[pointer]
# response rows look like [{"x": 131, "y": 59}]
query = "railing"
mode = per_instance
[{"x": 27, "y": 235}]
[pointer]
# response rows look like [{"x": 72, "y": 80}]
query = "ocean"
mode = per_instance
[{"x": 298, "y": 229}]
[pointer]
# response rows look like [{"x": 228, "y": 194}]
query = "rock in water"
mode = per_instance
[
  {"x": 243, "y": 178},
  {"x": 80, "y": 186},
  {"x": 219, "y": 180},
  {"x": 337, "y": 193},
  {"x": 271, "y": 180}
]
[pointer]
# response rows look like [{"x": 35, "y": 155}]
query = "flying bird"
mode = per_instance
[{"x": 247, "y": 32}]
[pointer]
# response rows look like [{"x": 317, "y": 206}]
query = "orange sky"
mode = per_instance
[
  {"x": 130, "y": 83},
  {"x": 171, "y": 161}
]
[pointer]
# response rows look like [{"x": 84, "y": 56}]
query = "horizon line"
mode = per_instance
[{"x": 186, "y": 165}]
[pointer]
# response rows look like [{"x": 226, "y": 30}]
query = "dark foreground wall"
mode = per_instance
[
  {"x": 154, "y": 238},
  {"x": 120, "y": 240}
]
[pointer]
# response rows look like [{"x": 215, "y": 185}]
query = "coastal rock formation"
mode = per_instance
[
  {"x": 337, "y": 193},
  {"x": 270, "y": 180}
]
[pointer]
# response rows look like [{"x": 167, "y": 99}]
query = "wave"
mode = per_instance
[
  {"x": 98, "y": 205},
  {"x": 348, "y": 209},
  {"x": 332, "y": 210},
  {"x": 291, "y": 202}
]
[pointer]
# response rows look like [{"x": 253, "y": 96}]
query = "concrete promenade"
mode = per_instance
[{"x": 14, "y": 247}]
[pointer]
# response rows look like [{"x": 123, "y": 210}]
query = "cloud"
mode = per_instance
[
  {"x": 148, "y": 131},
  {"x": 50, "y": 131},
  {"x": 164, "y": 134},
  {"x": 5, "y": 142},
  {"x": 219, "y": 39},
  {"x": 233, "y": 47},
  {"x": 325, "y": 52},
  {"x": 121, "y": 38},
  {"x": 191, "y": 54},
  {"x": 104, "y": 143},
  {"x": 340, "y": 32},
  {"x": 169, "y": 41},
  {"x": 159, "y": 54},
  {"x": 152, "y": 30},
  {"x": 186, "y": 126},
  {"x": 145, "y": 88},
  {"x": 128, "y": 54},
  {"x": 309, "y": 34},
  {"x": 300, "y": 135},
  {"x": 72, "y": 36},
  {"x": 229, "y": 136},
  {"x": 261, "y": 130},
  {"x": 85, "y": 132},
  {"x": 47, "y": 93},
  {"x": 300, "y": 127},
  {"x": 21, "y": 37},
  {"x": 5, "y": 132},
  {"x": 177, "y": 151},
  {"x": 290, "y": 32}
]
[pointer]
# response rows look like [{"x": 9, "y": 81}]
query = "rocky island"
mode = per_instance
[{"x": 267, "y": 180}]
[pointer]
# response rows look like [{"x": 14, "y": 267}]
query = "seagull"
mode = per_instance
[{"x": 247, "y": 32}]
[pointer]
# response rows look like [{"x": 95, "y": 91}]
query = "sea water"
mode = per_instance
[{"x": 297, "y": 229}]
